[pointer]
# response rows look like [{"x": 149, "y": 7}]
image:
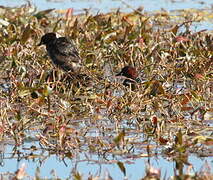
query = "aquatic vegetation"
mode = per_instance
[{"x": 168, "y": 113}]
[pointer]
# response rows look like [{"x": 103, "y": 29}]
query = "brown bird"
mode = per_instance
[
  {"x": 62, "y": 52},
  {"x": 131, "y": 75}
]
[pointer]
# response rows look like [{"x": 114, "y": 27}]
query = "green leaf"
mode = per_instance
[
  {"x": 179, "y": 137},
  {"x": 122, "y": 167},
  {"x": 77, "y": 176},
  {"x": 26, "y": 34},
  {"x": 24, "y": 92},
  {"x": 42, "y": 14},
  {"x": 47, "y": 91},
  {"x": 119, "y": 137}
]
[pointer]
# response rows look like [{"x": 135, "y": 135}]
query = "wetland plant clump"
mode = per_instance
[{"x": 168, "y": 112}]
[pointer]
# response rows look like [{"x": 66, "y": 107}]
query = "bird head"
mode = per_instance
[
  {"x": 47, "y": 38},
  {"x": 128, "y": 72}
]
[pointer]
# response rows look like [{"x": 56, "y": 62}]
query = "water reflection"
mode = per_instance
[{"x": 87, "y": 164}]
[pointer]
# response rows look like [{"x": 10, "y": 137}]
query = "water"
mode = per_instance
[
  {"x": 107, "y": 5},
  {"x": 135, "y": 167}
]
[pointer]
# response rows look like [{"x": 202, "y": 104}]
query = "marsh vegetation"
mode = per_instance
[{"x": 168, "y": 114}]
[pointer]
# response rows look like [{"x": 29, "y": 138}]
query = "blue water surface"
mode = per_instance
[
  {"x": 94, "y": 165},
  {"x": 108, "y": 5}
]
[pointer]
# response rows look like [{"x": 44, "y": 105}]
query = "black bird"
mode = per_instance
[{"x": 62, "y": 52}]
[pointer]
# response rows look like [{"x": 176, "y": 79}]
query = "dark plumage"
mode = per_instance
[
  {"x": 131, "y": 76},
  {"x": 62, "y": 52}
]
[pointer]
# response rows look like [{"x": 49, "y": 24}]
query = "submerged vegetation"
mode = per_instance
[{"x": 169, "y": 112}]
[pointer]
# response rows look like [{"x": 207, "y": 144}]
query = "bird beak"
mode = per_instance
[{"x": 39, "y": 44}]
